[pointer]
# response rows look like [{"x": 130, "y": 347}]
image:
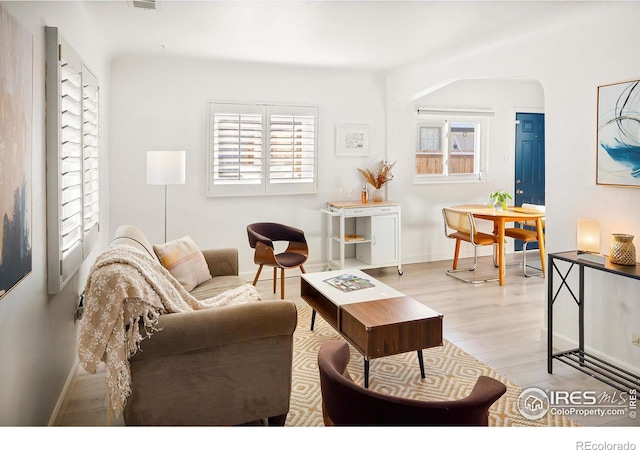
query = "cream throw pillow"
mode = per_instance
[{"x": 184, "y": 260}]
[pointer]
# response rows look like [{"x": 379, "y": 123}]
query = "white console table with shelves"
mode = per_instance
[{"x": 363, "y": 235}]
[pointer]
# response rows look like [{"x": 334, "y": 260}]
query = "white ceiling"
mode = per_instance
[{"x": 367, "y": 35}]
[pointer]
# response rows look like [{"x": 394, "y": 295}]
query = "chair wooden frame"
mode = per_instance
[
  {"x": 262, "y": 235},
  {"x": 461, "y": 226}
]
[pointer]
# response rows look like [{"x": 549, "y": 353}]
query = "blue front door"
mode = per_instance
[{"x": 529, "y": 161}]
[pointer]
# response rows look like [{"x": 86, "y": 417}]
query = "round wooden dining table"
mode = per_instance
[{"x": 500, "y": 217}]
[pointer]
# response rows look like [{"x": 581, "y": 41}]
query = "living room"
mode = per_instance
[{"x": 158, "y": 101}]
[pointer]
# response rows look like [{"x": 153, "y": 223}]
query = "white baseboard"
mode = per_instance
[{"x": 68, "y": 385}]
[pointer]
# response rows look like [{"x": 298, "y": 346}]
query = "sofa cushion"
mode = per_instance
[
  {"x": 184, "y": 260},
  {"x": 130, "y": 235},
  {"x": 216, "y": 285}
]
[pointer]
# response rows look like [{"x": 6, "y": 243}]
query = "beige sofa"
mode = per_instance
[{"x": 223, "y": 366}]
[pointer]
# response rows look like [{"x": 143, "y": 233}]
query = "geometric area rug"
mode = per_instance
[{"x": 450, "y": 374}]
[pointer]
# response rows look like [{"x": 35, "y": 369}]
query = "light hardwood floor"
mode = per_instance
[{"x": 501, "y": 326}]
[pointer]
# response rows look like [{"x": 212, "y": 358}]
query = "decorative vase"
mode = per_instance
[
  {"x": 377, "y": 195},
  {"x": 621, "y": 250},
  {"x": 497, "y": 204}
]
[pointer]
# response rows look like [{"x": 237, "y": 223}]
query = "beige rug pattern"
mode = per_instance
[{"x": 450, "y": 374}]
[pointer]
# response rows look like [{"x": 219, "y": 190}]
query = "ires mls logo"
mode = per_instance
[{"x": 534, "y": 403}]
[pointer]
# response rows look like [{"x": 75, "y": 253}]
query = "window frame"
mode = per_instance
[
  {"x": 443, "y": 120},
  {"x": 265, "y": 186}
]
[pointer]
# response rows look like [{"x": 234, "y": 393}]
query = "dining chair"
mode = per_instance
[
  {"x": 262, "y": 236},
  {"x": 346, "y": 403},
  {"x": 461, "y": 226},
  {"x": 526, "y": 231}
]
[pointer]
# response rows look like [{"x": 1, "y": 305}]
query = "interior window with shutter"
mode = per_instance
[
  {"x": 261, "y": 149},
  {"x": 72, "y": 152},
  {"x": 292, "y": 149},
  {"x": 90, "y": 172}
]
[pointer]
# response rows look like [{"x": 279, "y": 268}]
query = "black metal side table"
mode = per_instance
[{"x": 594, "y": 366}]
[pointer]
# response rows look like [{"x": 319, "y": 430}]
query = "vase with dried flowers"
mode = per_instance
[{"x": 379, "y": 178}]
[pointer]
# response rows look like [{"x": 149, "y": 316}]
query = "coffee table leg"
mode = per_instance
[
  {"x": 366, "y": 373},
  {"x": 313, "y": 318},
  {"x": 421, "y": 362}
]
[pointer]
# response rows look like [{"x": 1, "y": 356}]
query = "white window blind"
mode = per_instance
[
  {"x": 292, "y": 145},
  {"x": 90, "y": 173},
  {"x": 237, "y": 145},
  {"x": 261, "y": 149},
  {"x": 72, "y": 152}
]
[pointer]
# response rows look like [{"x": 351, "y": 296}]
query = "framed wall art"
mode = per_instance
[
  {"x": 618, "y": 136},
  {"x": 16, "y": 103},
  {"x": 352, "y": 140}
]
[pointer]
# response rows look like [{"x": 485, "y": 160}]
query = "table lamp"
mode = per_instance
[
  {"x": 589, "y": 241},
  {"x": 165, "y": 168}
]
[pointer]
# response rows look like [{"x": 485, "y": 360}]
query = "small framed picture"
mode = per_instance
[{"x": 352, "y": 140}]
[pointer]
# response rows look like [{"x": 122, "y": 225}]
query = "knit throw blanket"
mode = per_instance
[{"x": 126, "y": 289}]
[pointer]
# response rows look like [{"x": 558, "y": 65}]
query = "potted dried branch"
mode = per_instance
[{"x": 379, "y": 178}]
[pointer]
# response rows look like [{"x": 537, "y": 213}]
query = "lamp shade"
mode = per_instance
[
  {"x": 588, "y": 235},
  {"x": 166, "y": 167}
]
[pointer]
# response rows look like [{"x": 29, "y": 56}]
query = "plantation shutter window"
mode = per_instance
[
  {"x": 292, "y": 147},
  {"x": 261, "y": 149},
  {"x": 72, "y": 160},
  {"x": 90, "y": 173},
  {"x": 236, "y": 149}
]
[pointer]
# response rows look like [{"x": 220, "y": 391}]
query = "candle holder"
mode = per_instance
[{"x": 621, "y": 250}]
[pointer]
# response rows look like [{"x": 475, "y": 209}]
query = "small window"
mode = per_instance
[
  {"x": 450, "y": 148},
  {"x": 262, "y": 149}
]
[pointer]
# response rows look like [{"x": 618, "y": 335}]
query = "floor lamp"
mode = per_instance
[{"x": 165, "y": 168}]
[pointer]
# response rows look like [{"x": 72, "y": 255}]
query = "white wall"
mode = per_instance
[
  {"x": 422, "y": 223},
  {"x": 37, "y": 331},
  {"x": 570, "y": 56},
  {"x": 161, "y": 104}
]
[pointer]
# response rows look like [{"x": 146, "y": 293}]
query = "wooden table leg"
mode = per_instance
[
  {"x": 540, "y": 232},
  {"x": 501, "y": 250}
]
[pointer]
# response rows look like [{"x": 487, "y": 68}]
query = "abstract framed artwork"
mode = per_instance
[
  {"x": 618, "y": 137},
  {"x": 352, "y": 140},
  {"x": 16, "y": 104}
]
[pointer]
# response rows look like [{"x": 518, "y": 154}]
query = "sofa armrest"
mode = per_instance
[
  {"x": 203, "y": 329},
  {"x": 222, "y": 261},
  {"x": 222, "y": 366}
]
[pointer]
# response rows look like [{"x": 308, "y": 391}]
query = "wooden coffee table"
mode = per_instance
[{"x": 378, "y": 321}]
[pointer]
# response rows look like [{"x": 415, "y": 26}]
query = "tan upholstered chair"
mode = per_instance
[
  {"x": 347, "y": 403},
  {"x": 526, "y": 232},
  {"x": 262, "y": 237},
  {"x": 461, "y": 226}
]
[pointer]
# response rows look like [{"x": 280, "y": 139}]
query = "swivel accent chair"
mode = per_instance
[{"x": 262, "y": 236}]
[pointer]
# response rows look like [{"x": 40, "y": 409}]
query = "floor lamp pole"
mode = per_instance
[
  {"x": 165, "y": 168},
  {"x": 166, "y": 207}
]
